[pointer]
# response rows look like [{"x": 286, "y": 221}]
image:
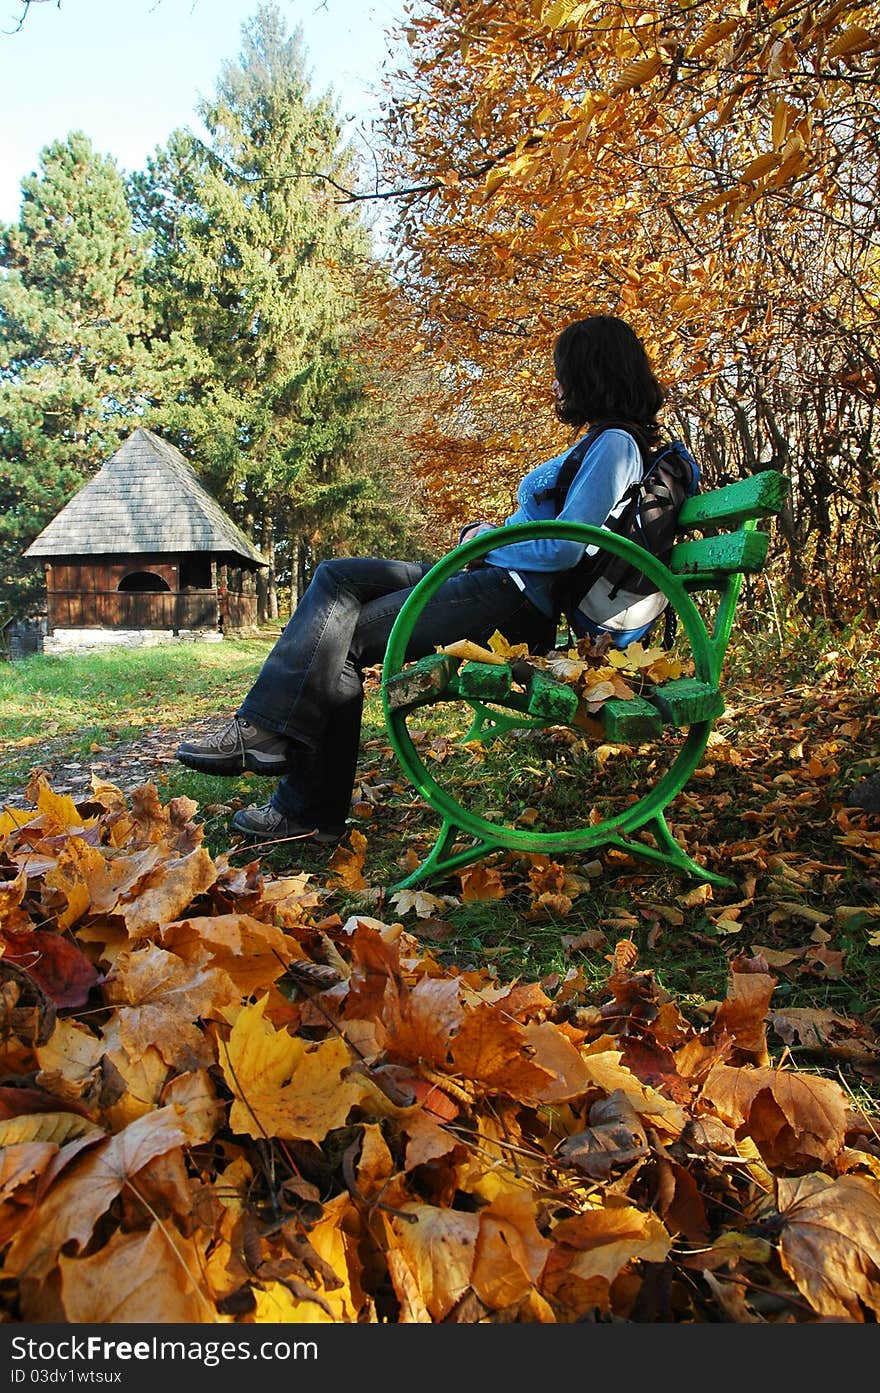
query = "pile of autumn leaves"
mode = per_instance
[{"x": 221, "y": 1102}]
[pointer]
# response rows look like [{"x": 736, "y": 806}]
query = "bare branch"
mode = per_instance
[{"x": 24, "y": 14}]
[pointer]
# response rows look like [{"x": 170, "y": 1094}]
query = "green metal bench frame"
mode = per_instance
[{"x": 729, "y": 547}]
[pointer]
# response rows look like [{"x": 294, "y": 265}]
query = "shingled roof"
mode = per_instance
[{"x": 144, "y": 498}]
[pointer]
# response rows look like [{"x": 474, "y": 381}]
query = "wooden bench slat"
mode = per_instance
[
  {"x": 686, "y": 700},
  {"x": 760, "y": 496},
  {"x": 631, "y": 722},
  {"x": 721, "y": 555},
  {"x": 552, "y": 700},
  {"x": 485, "y": 681},
  {"x": 422, "y": 681}
]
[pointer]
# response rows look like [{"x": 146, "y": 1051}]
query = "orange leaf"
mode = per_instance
[{"x": 828, "y": 1244}]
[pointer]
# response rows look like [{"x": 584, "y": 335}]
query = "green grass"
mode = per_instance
[
  {"x": 767, "y": 804},
  {"x": 70, "y": 703}
]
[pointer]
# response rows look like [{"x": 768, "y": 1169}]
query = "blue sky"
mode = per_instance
[{"x": 128, "y": 72}]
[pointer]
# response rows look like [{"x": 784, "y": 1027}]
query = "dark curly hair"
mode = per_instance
[{"x": 605, "y": 376}]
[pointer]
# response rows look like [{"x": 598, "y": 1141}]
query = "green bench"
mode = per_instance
[{"x": 720, "y": 543}]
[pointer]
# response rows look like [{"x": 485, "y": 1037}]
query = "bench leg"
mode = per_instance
[
  {"x": 437, "y": 863},
  {"x": 669, "y": 853}
]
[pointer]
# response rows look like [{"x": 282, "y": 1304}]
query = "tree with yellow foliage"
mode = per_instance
[{"x": 706, "y": 172}]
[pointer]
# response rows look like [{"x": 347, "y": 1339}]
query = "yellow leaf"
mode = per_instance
[
  {"x": 701, "y": 894},
  {"x": 471, "y": 652},
  {"x": 844, "y": 912},
  {"x": 481, "y": 883},
  {"x": 719, "y": 201},
  {"x": 713, "y": 35},
  {"x": 13, "y": 818},
  {"x": 256, "y": 1055},
  {"x": 504, "y": 650},
  {"x": 852, "y": 40},
  {"x": 348, "y": 862},
  {"x": 782, "y": 115},
  {"x": 495, "y": 178},
  {"x": 636, "y": 74},
  {"x": 759, "y": 167},
  {"x": 57, "y": 1127},
  {"x": 560, "y": 12}
]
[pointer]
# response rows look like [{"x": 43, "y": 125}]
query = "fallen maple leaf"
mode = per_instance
[
  {"x": 348, "y": 862},
  {"x": 830, "y": 1243}
]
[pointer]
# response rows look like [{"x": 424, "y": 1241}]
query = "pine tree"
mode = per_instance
[
  {"x": 257, "y": 261},
  {"x": 73, "y": 366}
]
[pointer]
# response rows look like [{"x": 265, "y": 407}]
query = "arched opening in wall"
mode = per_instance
[{"x": 143, "y": 582}]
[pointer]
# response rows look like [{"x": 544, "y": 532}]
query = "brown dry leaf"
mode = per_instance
[
  {"x": 591, "y": 1249},
  {"x": 276, "y": 1304},
  {"x": 152, "y": 1277},
  {"x": 830, "y": 1243},
  {"x": 591, "y": 939},
  {"x": 481, "y": 883},
  {"x": 550, "y": 904},
  {"x": 614, "y": 1139},
  {"x": 569, "y": 1071},
  {"x": 21, "y": 1163},
  {"x": 375, "y": 1164},
  {"x": 14, "y": 919},
  {"x": 287, "y": 902},
  {"x": 70, "y": 1210},
  {"x": 545, "y": 876},
  {"x": 439, "y": 1246},
  {"x": 510, "y": 1251},
  {"x": 348, "y": 862},
  {"x": 413, "y": 1310},
  {"x": 172, "y": 824},
  {"x": 251, "y": 953},
  {"x": 165, "y": 892},
  {"x": 336, "y": 1278},
  {"x": 625, "y": 956},
  {"x": 132, "y": 1087},
  {"x": 792, "y": 1117},
  {"x": 161, "y": 1000},
  {"x": 824, "y": 1032},
  {"x": 700, "y": 894},
  {"x": 421, "y": 1022},
  {"x": 743, "y": 1014},
  {"x": 488, "y": 1050}
]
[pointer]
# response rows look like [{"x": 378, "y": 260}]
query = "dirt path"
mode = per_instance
[{"x": 127, "y": 764}]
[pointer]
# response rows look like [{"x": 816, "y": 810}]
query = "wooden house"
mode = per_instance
[{"x": 143, "y": 552}]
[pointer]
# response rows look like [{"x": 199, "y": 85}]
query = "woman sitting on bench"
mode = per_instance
[{"x": 301, "y": 719}]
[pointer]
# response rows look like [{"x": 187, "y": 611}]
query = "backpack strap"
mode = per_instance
[{"x": 572, "y": 462}]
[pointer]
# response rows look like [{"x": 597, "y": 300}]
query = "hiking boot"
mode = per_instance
[
  {"x": 866, "y": 795},
  {"x": 270, "y": 824},
  {"x": 238, "y": 747}
]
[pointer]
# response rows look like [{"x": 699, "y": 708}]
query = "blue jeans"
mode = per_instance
[{"x": 310, "y": 688}]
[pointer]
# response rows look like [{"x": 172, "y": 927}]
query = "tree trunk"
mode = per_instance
[{"x": 268, "y": 549}]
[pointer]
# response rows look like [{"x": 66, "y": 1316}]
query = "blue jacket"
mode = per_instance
[{"x": 610, "y": 465}]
